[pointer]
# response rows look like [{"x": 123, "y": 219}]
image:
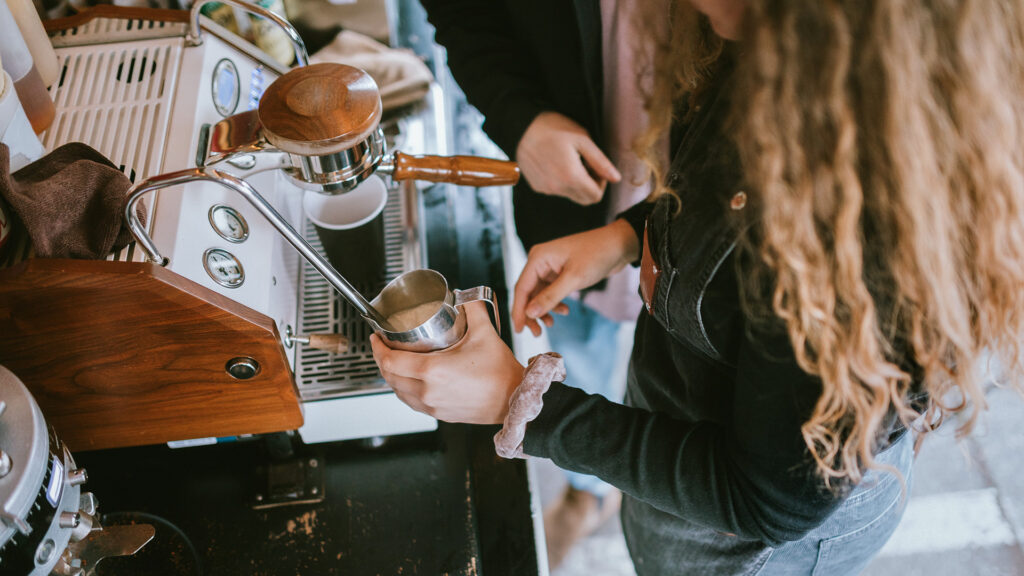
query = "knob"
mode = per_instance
[
  {"x": 70, "y": 519},
  {"x": 83, "y": 528},
  {"x": 78, "y": 476},
  {"x": 87, "y": 503}
]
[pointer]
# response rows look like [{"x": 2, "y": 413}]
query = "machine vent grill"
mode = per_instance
[
  {"x": 117, "y": 99},
  {"x": 321, "y": 375},
  {"x": 104, "y": 30}
]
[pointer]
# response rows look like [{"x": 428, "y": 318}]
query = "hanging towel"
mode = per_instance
[{"x": 71, "y": 202}]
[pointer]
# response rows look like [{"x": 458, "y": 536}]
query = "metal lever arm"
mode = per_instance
[
  {"x": 231, "y": 137},
  {"x": 194, "y": 36},
  {"x": 263, "y": 207}
]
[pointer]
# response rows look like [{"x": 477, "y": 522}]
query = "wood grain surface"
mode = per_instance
[
  {"x": 461, "y": 170},
  {"x": 125, "y": 354},
  {"x": 118, "y": 12},
  {"x": 320, "y": 109}
]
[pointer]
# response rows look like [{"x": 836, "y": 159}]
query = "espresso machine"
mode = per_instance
[{"x": 213, "y": 325}]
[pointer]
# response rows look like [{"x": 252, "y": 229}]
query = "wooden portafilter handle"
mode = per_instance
[{"x": 461, "y": 170}]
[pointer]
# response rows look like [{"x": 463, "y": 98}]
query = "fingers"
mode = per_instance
[
  {"x": 409, "y": 391},
  {"x": 582, "y": 188},
  {"x": 477, "y": 314},
  {"x": 527, "y": 284},
  {"x": 398, "y": 362},
  {"x": 518, "y": 315},
  {"x": 597, "y": 161},
  {"x": 550, "y": 297}
]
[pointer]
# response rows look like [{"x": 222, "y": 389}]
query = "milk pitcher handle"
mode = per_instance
[{"x": 479, "y": 293}]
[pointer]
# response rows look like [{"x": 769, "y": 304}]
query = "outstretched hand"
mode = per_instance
[
  {"x": 556, "y": 269},
  {"x": 558, "y": 157},
  {"x": 470, "y": 382}
]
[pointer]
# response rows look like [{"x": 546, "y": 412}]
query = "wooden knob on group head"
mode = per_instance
[
  {"x": 320, "y": 109},
  {"x": 461, "y": 170}
]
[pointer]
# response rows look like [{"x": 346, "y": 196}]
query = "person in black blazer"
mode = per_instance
[{"x": 534, "y": 70}]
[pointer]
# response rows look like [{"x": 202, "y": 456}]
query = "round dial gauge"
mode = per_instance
[
  {"x": 223, "y": 267},
  {"x": 226, "y": 87},
  {"x": 229, "y": 224}
]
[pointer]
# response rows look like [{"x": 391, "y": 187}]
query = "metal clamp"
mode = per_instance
[
  {"x": 194, "y": 36},
  {"x": 262, "y": 206}
]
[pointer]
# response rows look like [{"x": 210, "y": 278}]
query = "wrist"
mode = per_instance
[
  {"x": 626, "y": 240},
  {"x": 512, "y": 382}
]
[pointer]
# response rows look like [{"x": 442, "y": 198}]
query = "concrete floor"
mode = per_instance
[{"x": 965, "y": 516}]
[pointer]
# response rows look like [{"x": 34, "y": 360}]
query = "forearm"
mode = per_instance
[
  {"x": 636, "y": 218},
  {"x": 688, "y": 469},
  {"x": 626, "y": 239}
]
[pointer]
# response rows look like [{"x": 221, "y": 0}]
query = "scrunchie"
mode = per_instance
[{"x": 526, "y": 402}]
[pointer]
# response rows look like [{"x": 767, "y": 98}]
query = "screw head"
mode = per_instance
[
  {"x": 738, "y": 201},
  {"x": 5, "y": 464},
  {"x": 45, "y": 551}
]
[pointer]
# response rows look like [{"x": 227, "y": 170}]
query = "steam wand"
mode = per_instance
[{"x": 264, "y": 208}]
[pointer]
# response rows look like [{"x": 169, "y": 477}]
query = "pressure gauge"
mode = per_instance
[
  {"x": 228, "y": 223},
  {"x": 223, "y": 267},
  {"x": 226, "y": 87}
]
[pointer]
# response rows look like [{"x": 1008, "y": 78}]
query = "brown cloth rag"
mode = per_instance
[{"x": 70, "y": 201}]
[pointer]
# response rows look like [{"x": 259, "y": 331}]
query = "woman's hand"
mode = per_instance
[
  {"x": 558, "y": 157},
  {"x": 558, "y": 268},
  {"x": 470, "y": 382}
]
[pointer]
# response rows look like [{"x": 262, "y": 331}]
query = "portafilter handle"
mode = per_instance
[
  {"x": 244, "y": 189},
  {"x": 461, "y": 170},
  {"x": 194, "y": 36}
]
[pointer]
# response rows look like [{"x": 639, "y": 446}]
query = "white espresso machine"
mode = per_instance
[{"x": 144, "y": 88}]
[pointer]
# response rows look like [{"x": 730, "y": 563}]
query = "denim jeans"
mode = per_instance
[
  {"x": 587, "y": 341},
  {"x": 855, "y": 532},
  {"x": 666, "y": 545}
]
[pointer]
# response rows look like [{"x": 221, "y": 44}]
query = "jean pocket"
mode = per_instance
[{"x": 849, "y": 553}]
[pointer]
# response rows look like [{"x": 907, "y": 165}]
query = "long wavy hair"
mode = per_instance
[{"x": 884, "y": 144}]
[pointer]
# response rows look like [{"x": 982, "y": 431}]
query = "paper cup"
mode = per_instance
[{"x": 351, "y": 230}]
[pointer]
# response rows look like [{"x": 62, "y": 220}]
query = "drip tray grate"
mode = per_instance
[{"x": 322, "y": 375}]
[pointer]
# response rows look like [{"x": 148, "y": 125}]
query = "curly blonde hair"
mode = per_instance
[{"x": 885, "y": 142}]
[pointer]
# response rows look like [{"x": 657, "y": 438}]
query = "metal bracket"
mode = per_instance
[
  {"x": 293, "y": 481},
  {"x": 194, "y": 35}
]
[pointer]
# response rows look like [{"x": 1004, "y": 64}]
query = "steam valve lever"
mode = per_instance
[{"x": 333, "y": 343}]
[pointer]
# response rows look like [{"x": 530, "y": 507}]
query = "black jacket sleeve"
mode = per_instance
[
  {"x": 752, "y": 477},
  {"x": 636, "y": 217},
  {"x": 498, "y": 74}
]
